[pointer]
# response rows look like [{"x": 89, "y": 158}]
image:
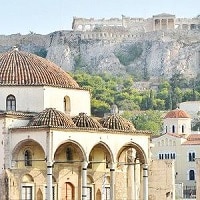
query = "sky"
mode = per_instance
[{"x": 46, "y": 16}]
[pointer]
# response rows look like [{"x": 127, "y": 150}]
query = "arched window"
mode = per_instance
[
  {"x": 67, "y": 106},
  {"x": 173, "y": 129},
  {"x": 27, "y": 158},
  {"x": 183, "y": 129},
  {"x": 27, "y": 187},
  {"x": 191, "y": 175},
  {"x": 10, "y": 103},
  {"x": 69, "y": 154}
]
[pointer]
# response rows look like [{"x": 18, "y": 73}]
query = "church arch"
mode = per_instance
[
  {"x": 100, "y": 155},
  {"x": 69, "y": 152},
  {"x": 28, "y": 153}
]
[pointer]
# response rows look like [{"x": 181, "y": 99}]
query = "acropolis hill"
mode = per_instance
[{"x": 151, "y": 48}]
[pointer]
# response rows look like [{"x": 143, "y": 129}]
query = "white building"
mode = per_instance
[
  {"x": 179, "y": 144},
  {"x": 51, "y": 148}
]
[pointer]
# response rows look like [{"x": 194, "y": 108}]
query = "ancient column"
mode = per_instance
[
  {"x": 49, "y": 167},
  {"x": 112, "y": 181},
  {"x": 131, "y": 155},
  {"x": 137, "y": 179},
  {"x": 145, "y": 182},
  {"x": 84, "y": 180}
]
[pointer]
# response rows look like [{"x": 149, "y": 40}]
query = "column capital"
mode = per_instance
[{"x": 84, "y": 165}]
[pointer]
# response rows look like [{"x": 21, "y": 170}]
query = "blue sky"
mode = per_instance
[{"x": 46, "y": 16}]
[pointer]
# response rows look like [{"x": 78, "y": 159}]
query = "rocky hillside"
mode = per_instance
[{"x": 151, "y": 55}]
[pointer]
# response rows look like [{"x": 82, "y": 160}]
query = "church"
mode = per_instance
[
  {"x": 179, "y": 143},
  {"x": 52, "y": 148}
]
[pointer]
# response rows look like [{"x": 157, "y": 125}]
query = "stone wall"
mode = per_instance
[{"x": 161, "y": 180}]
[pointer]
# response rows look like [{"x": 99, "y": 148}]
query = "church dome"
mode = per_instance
[
  {"x": 50, "y": 117},
  {"x": 82, "y": 120},
  {"x": 115, "y": 121},
  {"x": 177, "y": 113},
  {"x": 21, "y": 68}
]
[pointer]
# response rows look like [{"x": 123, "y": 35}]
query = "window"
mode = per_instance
[
  {"x": 69, "y": 155},
  {"x": 166, "y": 156},
  {"x": 191, "y": 175},
  {"x": 10, "y": 103},
  {"x": 27, "y": 193},
  {"x": 107, "y": 193},
  {"x": 67, "y": 107},
  {"x": 183, "y": 130},
  {"x": 173, "y": 129},
  {"x": 27, "y": 158},
  {"x": 191, "y": 156}
]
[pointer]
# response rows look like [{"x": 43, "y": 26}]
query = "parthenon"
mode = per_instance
[{"x": 162, "y": 21}]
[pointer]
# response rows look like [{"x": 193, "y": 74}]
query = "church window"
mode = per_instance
[
  {"x": 173, "y": 129},
  {"x": 69, "y": 154},
  {"x": 183, "y": 129},
  {"x": 27, "y": 187},
  {"x": 28, "y": 158},
  {"x": 10, "y": 103},
  {"x": 191, "y": 156},
  {"x": 27, "y": 192},
  {"x": 67, "y": 106},
  {"x": 107, "y": 193},
  {"x": 191, "y": 175}
]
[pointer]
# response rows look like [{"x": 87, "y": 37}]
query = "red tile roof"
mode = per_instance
[
  {"x": 193, "y": 139},
  {"x": 20, "y": 68},
  {"x": 177, "y": 113}
]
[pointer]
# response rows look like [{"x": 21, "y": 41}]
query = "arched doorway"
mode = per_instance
[{"x": 67, "y": 192}]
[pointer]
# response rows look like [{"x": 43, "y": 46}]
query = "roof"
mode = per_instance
[
  {"x": 51, "y": 117},
  {"x": 19, "y": 68},
  {"x": 82, "y": 120},
  {"x": 177, "y": 113},
  {"x": 115, "y": 121},
  {"x": 192, "y": 139}
]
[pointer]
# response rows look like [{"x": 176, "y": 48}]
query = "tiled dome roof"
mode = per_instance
[
  {"x": 115, "y": 121},
  {"x": 50, "y": 117},
  {"x": 82, "y": 120},
  {"x": 177, "y": 113},
  {"x": 20, "y": 68}
]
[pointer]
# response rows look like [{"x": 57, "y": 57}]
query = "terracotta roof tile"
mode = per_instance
[
  {"x": 82, "y": 120},
  {"x": 50, "y": 117},
  {"x": 177, "y": 113},
  {"x": 115, "y": 121},
  {"x": 193, "y": 139},
  {"x": 20, "y": 68}
]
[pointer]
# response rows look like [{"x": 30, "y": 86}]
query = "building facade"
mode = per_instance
[
  {"x": 178, "y": 143},
  {"x": 51, "y": 146}
]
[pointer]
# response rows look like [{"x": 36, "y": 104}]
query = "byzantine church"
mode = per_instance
[{"x": 50, "y": 145}]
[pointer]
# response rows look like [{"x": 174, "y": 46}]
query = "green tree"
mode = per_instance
[{"x": 148, "y": 120}]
